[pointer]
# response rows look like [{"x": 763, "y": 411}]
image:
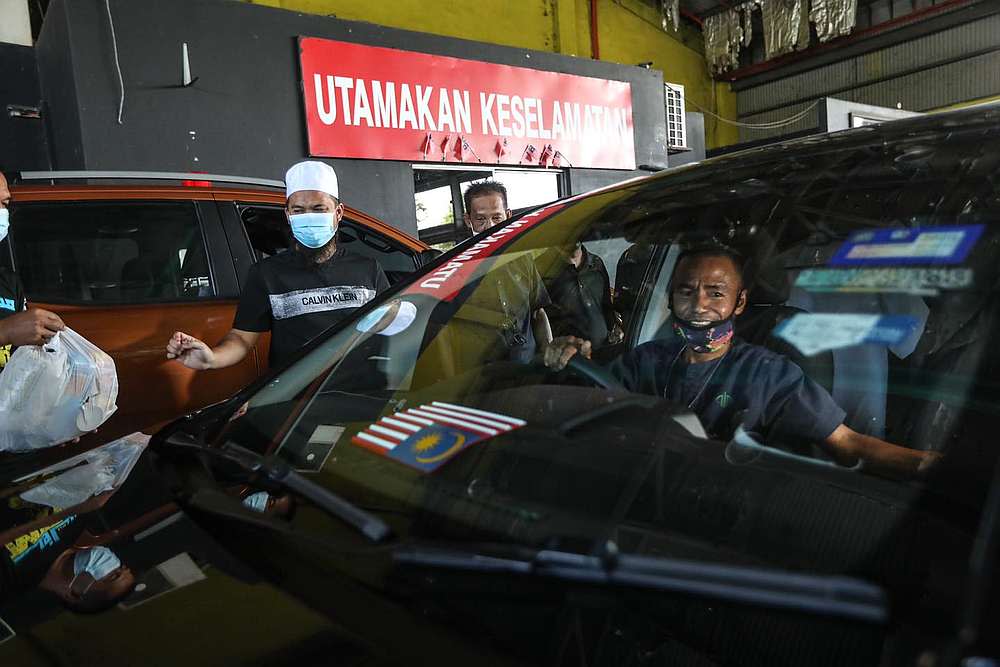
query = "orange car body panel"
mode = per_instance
[{"x": 153, "y": 389}]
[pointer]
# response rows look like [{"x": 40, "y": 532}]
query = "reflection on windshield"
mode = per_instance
[{"x": 832, "y": 313}]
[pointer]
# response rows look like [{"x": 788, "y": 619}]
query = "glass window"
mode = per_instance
[
  {"x": 439, "y": 204},
  {"x": 108, "y": 252},
  {"x": 269, "y": 234}
]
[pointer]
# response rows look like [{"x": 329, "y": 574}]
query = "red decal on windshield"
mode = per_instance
[{"x": 446, "y": 281}]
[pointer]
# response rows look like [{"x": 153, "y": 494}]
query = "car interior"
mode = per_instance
[
  {"x": 111, "y": 252},
  {"x": 267, "y": 230}
]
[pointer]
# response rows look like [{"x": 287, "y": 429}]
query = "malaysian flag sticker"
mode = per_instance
[{"x": 428, "y": 436}]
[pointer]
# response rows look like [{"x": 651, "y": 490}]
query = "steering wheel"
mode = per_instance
[{"x": 589, "y": 370}]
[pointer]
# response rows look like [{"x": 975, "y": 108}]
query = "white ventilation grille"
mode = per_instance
[{"x": 673, "y": 101}]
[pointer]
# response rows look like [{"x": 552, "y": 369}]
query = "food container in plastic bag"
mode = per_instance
[
  {"x": 53, "y": 393},
  {"x": 75, "y": 480}
]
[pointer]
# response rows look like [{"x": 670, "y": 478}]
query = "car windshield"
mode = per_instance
[{"x": 870, "y": 272}]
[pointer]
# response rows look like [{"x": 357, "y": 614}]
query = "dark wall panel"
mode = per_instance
[
  {"x": 23, "y": 143},
  {"x": 244, "y": 115},
  {"x": 58, "y": 87}
]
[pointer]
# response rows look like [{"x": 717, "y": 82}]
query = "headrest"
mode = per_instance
[{"x": 770, "y": 284}]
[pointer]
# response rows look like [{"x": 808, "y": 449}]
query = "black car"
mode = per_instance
[{"x": 430, "y": 500}]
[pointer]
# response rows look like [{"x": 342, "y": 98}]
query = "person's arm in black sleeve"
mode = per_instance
[
  {"x": 607, "y": 308},
  {"x": 611, "y": 317},
  {"x": 253, "y": 316}
]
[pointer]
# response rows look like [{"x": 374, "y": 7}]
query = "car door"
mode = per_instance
[{"x": 126, "y": 274}]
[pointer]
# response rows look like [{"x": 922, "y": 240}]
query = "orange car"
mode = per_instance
[{"x": 128, "y": 258}]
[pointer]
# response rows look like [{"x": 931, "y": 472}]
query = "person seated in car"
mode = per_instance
[
  {"x": 295, "y": 295},
  {"x": 728, "y": 382},
  {"x": 580, "y": 291},
  {"x": 512, "y": 302}
]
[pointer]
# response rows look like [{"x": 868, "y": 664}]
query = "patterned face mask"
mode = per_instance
[{"x": 710, "y": 337}]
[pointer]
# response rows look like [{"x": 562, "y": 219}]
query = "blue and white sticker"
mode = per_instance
[
  {"x": 923, "y": 245},
  {"x": 812, "y": 333},
  {"x": 887, "y": 280}
]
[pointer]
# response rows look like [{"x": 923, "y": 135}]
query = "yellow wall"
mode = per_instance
[{"x": 628, "y": 33}]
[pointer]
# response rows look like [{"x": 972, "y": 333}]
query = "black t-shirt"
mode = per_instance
[
  {"x": 776, "y": 398},
  {"x": 11, "y": 301},
  {"x": 296, "y": 301},
  {"x": 581, "y": 299}
]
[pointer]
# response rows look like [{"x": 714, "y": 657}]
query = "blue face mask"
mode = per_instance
[
  {"x": 4, "y": 222},
  {"x": 313, "y": 230},
  {"x": 98, "y": 562}
]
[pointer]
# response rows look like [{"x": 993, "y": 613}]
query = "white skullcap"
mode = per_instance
[{"x": 311, "y": 175}]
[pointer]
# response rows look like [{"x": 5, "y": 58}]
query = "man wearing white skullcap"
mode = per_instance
[{"x": 295, "y": 294}]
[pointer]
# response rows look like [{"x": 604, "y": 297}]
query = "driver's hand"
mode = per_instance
[{"x": 561, "y": 350}]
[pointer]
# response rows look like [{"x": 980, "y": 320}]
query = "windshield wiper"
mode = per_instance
[
  {"x": 277, "y": 471},
  {"x": 823, "y": 595}
]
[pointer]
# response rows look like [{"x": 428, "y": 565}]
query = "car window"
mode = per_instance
[
  {"x": 268, "y": 231},
  {"x": 111, "y": 252}
]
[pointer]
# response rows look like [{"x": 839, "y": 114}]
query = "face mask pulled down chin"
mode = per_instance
[
  {"x": 705, "y": 338},
  {"x": 4, "y": 222},
  {"x": 313, "y": 230}
]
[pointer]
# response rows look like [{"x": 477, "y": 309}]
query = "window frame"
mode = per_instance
[
  {"x": 238, "y": 207},
  {"x": 456, "y": 232}
]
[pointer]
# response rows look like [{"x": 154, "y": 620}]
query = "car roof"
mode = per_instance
[{"x": 55, "y": 186}]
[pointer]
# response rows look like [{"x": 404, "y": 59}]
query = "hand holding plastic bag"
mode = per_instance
[{"x": 53, "y": 393}]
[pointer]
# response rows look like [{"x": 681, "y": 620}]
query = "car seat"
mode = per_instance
[
  {"x": 139, "y": 278},
  {"x": 766, "y": 308}
]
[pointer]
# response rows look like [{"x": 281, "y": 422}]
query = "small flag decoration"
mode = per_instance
[
  {"x": 529, "y": 154},
  {"x": 428, "y": 436}
]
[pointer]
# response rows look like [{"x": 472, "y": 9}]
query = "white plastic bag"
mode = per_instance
[
  {"x": 56, "y": 392},
  {"x": 87, "y": 474}
]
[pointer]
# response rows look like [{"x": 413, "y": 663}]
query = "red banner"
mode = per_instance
[
  {"x": 448, "y": 280},
  {"x": 378, "y": 103}
]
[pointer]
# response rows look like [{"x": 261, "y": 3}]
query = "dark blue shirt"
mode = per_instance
[{"x": 764, "y": 391}]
